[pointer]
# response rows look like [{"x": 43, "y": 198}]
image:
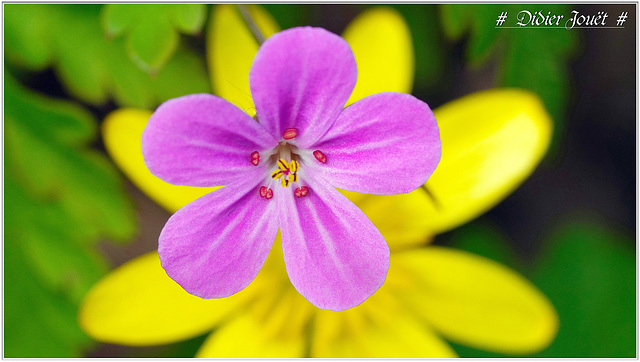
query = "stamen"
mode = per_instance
[
  {"x": 290, "y": 133},
  {"x": 301, "y": 191},
  {"x": 320, "y": 156},
  {"x": 276, "y": 174},
  {"x": 304, "y": 190},
  {"x": 283, "y": 164},
  {"x": 255, "y": 158},
  {"x": 266, "y": 192},
  {"x": 286, "y": 172},
  {"x": 293, "y": 166}
]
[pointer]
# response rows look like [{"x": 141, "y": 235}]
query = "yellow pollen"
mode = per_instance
[
  {"x": 293, "y": 166},
  {"x": 286, "y": 172},
  {"x": 277, "y": 174},
  {"x": 283, "y": 164}
]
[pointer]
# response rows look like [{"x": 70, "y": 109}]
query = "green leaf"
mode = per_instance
[
  {"x": 53, "y": 170},
  {"x": 479, "y": 21},
  {"x": 152, "y": 29},
  {"x": 93, "y": 67},
  {"x": 423, "y": 23},
  {"x": 24, "y": 24},
  {"x": 38, "y": 323},
  {"x": 116, "y": 19},
  {"x": 454, "y": 20},
  {"x": 588, "y": 272},
  {"x": 289, "y": 15},
  {"x": 188, "y": 18},
  {"x": 61, "y": 259},
  {"x": 61, "y": 198},
  {"x": 151, "y": 45}
]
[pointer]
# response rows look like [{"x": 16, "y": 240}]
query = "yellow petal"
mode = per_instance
[
  {"x": 474, "y": 301},
  {"x": 491, "y": 142},
  {"x": 381, "y": 42},
  {"x": 404, "y": 337},
  {"x": 138, "y": 304},
  {"x": 121, "y": 132},
  {"x": 399, "y": 218},
  {"x": 274, "y": 325},
  {"x": 244, "y": 338},
  {"x": 378, "y": 328},
  {"x": 230, "y": 51},
  {"x": 274, "y": 335}
]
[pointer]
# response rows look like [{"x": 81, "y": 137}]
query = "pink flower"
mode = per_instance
[{"x": 280, "y": 170}]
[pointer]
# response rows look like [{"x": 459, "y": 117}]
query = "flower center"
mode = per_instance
[
  {"x": 286, "y": 172},
  {"x": 284, "y": 161}
]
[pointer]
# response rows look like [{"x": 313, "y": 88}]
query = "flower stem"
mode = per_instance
[
  {"x": 255, "y": 31},
  {"x": 433, "y": 198}
]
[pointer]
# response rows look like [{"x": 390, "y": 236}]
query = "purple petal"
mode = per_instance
[
  {"x": 301, "y": 78},
  {"x": 202, "y": 140},
  {"x": 215, "y": 246},
  {"x": 335, "y": 256},
  {"x": 387, "y": 143}
]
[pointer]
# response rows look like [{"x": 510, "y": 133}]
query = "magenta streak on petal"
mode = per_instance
[
  {"x": 202, "y": 140},
  {"x": 216, "y": 245},
  {"x": 387, "y": 143},
  {"x": 335, "y": 256},
  {"x": 301, "y": 78}
]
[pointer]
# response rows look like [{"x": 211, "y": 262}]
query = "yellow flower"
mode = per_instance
[{"x": 491, "y": 141}]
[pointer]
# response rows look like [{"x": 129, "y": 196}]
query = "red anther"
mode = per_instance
[
  {"x": 290, "y": 133},
  {"x": 304, "y": 191},
  {"x": 269, "y": 194},
  {"x": 263, "y": 191},
  {"x": 320, "y": 156},
  {"x": 301, "y": 191},
  {"x": 255, "y": 158}
]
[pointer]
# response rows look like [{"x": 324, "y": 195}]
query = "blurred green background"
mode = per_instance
[{"x": 70, "y": 216}]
